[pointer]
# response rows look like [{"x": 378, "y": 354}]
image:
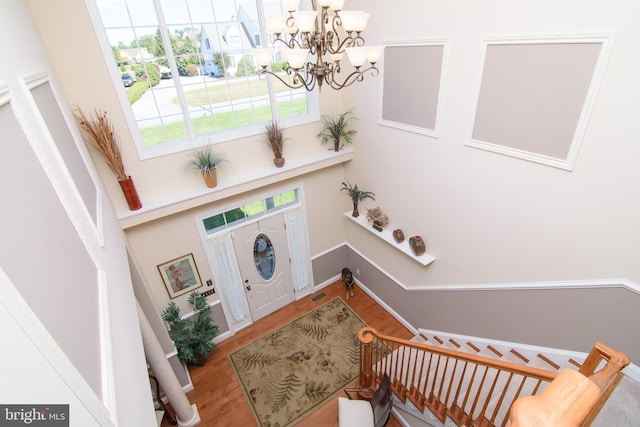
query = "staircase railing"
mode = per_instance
[{"x": 469, "y": 389}]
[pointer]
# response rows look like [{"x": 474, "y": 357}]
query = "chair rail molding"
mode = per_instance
[{"x": 566, "y": 284}]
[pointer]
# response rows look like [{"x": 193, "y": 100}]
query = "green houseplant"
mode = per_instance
[
  {"x": 193, "y": 336},
  {"x": 356, "y": 195},
  {"x": 275, "y": 140},
  {"x": 206, "y": 160},
  {"x": 336, "y": 128}
]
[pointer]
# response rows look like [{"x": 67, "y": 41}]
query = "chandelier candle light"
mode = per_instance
[{"x": 316, "y": 33}]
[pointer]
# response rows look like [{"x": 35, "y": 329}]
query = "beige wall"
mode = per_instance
[
  {"x": 490, "y": 218},
  {"x": 73, "y": 330},
  {"x": 159, "y": 241},
  {"x": 487, "y": 218},
  {"x": 77, "y": 57},
  {"x": 75, "y": 52}
]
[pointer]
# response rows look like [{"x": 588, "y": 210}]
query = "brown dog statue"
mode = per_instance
[{"x": 347, "y": 278}]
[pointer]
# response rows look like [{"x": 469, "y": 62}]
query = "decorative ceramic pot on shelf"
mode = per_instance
[
  {"x": 377, "y": 225},
  {"x": 398, "y": 235},
  {"x": 210, "y": 178},
  {"x": 278, "y": 161},
  {"x": 417, "y": 245}
]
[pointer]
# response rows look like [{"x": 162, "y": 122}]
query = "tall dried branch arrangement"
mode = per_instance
[
  {"x": 99, "y": 133},
  {"x": 275, "y": 138}
]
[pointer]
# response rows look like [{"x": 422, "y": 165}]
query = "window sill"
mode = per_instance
[
  {"x": 387, "y": 236},
  {"x": 174, "y": 203}
]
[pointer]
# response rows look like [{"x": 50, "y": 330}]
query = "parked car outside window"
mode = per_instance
[
  {"x": 165, "y": 72},
  {"x": 128, "y": 80}
]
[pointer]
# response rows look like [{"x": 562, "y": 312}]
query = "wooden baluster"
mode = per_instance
[
  {"x": 451, "y": 383},
  {"x": 427, "y": 379},
  {"x": 455, "y": 411},
  {"x": 501, "y": 398},
  {"x": 399, "y": 382},
  {"x": 459, "y": 412},
  {"x": 505, "y": 421},
  {"x": 385, "y": 357},
  {"x": 379, "y": 355},
  {"x": 419, "y": 397},
  {"x": 444, "y": 376},
  {"x": 433, "y": 403},
  {"x": 479, "y": 391},
  {"x": 481, "y": 419}
]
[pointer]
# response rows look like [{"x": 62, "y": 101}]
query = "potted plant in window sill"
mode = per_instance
[
  {"x": 275, "y": 140},
  {"x": 207, "y": 160},
  {"x": 356, "y": 195},
  {"x": 193, "y": 337},
  {"x": 336, "y": 128}
]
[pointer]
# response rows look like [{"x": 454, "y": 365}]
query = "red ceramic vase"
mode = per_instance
[{"x": 130, "y": 193}]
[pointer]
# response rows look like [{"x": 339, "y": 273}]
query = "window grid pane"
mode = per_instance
[
  {"x": 250, "y": 211},
  {"x": 211, "y": 44}
]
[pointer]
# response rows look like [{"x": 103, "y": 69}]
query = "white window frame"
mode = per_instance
[{"x": 172, "y": 147}]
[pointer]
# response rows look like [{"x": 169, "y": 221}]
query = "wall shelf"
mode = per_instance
[
  {"x": 190, "y": 198},
  {"x": 387, "y": 236}
]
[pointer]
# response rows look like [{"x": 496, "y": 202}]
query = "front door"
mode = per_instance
[{"x": 263, "y": 257}]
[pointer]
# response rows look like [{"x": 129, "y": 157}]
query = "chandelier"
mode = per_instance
[{"x": 327, "y": 35}]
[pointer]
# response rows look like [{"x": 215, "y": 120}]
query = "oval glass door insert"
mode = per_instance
[{"x": 264, "y": 256}]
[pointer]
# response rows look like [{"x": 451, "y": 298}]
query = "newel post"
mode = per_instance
[{"x": 366, "y": 372}]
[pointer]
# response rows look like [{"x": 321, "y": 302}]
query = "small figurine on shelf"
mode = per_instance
[
  {"x": 398, "y": 235},
  {"x": 417, "y": 245},
  {"x": 377, "y": 217}
]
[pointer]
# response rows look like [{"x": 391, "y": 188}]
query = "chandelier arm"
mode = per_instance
[
  {"x": 297, "y": 77},
  {"x": 348, "y": 41},
  {"x": 355, "y": 76},
  {"x": 332, "y": 37},
  {"x": 291, "y": 44}
]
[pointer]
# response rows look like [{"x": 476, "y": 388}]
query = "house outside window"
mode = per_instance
[{"x": 195, "y": 74}]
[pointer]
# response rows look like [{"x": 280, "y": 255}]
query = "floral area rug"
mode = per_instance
[{"x": 288, "y": 373}]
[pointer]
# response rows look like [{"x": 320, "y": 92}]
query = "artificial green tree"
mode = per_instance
[{"x": 193, "y": 337}]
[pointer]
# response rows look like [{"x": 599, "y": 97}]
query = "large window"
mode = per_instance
[{"x": 193, "y": 72}]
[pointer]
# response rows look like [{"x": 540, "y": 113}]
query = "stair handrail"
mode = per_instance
[
  {"x": 405, "y": 387},
  {"x": 366, "y": 334}
]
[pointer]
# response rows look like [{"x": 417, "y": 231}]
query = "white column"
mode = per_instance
[{"x": 186, "y": 413}]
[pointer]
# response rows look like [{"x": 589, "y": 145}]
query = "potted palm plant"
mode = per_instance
[
  {"x": 356, "y": 195},
  {"x": 206, "y": 160},
  {"x": 193, "y": 337},
  {"x": 336, "y": 128},
  {"x": 275, "y": 140}
]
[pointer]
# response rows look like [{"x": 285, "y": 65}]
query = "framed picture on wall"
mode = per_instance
[{"x": 180, "y": 275}]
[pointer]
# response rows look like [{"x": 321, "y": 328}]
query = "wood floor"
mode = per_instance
[{"x": 217, "y": 393}]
